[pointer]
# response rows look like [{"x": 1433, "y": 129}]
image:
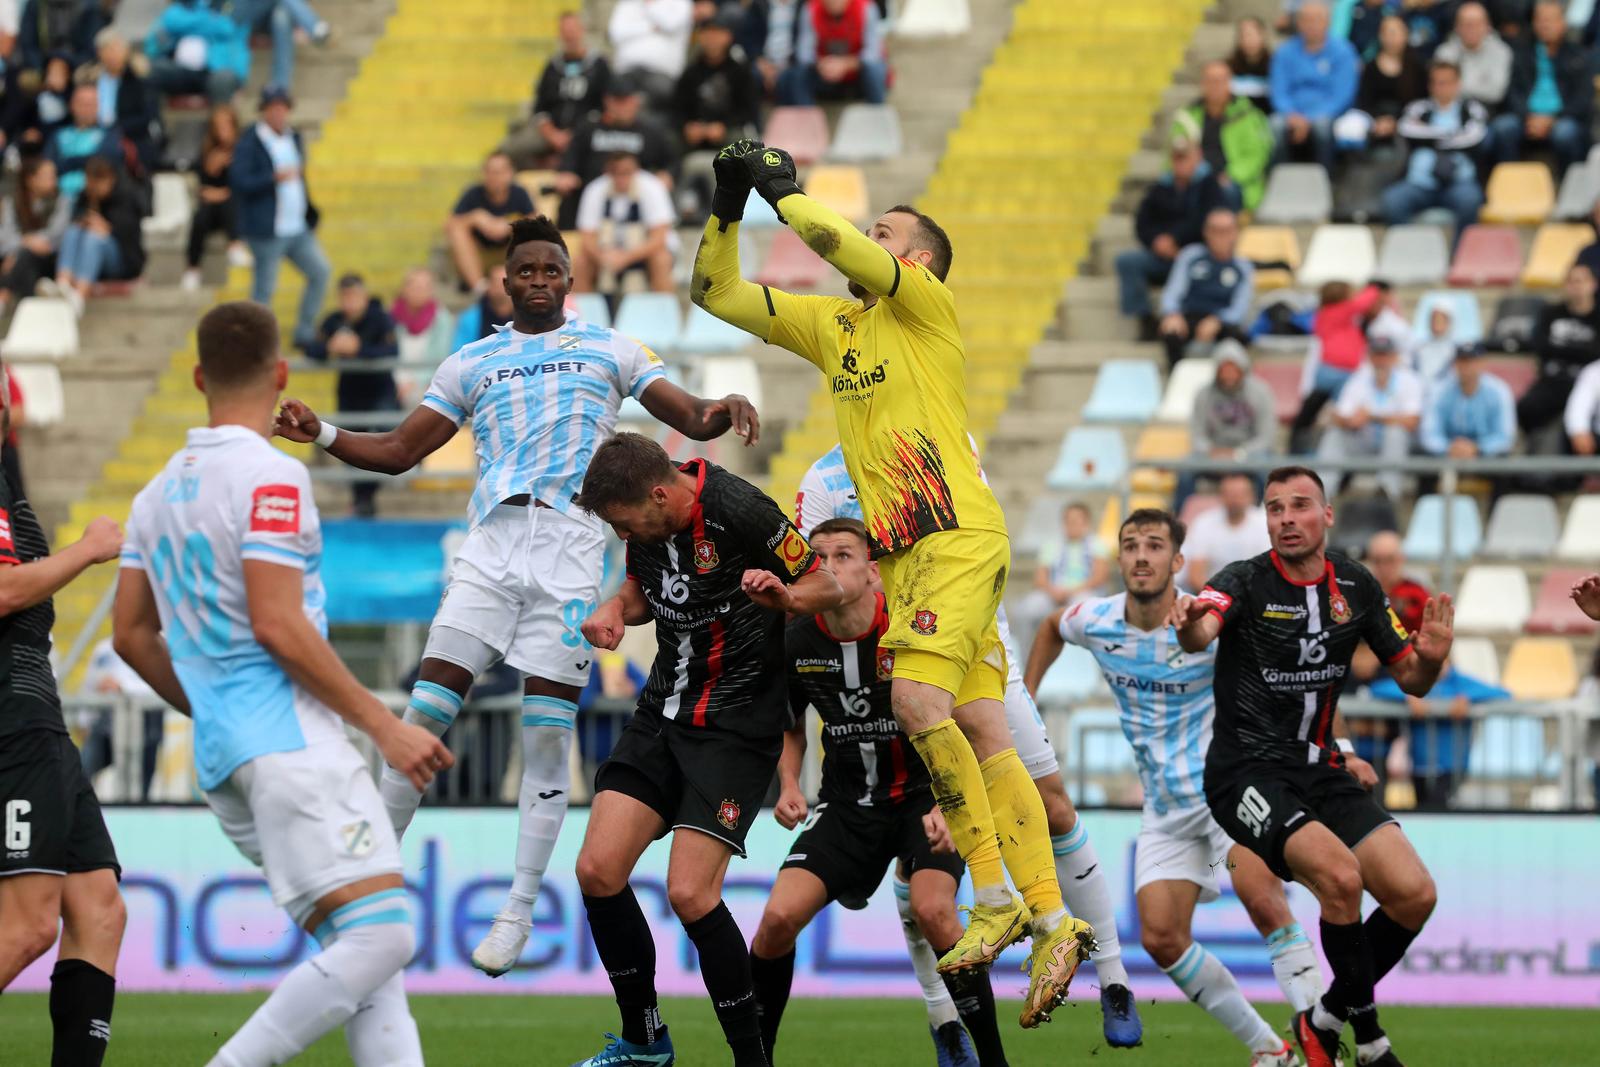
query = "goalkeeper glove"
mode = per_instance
[
  {"x": 772, "y": 173},
  {"x": 733, "y": 180}
]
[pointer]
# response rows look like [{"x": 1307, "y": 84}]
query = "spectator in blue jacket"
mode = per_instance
[
  {"x": 1208, "y": 294},
  {"x": 1471, "y": 416},
  {"x": 274, "y": 213},
  {"x": 1551, "y": 99},
  {"x": 83, "y": 138},
  {"x": 1314, "y": 80},
  {"x": 195, "y": 49}
]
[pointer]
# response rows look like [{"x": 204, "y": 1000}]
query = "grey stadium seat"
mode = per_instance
[
  {"x": 866, "y": 132},
  {"x": 1523, "y": 526},
  {"x": 1296, "y": 192},
  {"x": 1413, "y": 255}
]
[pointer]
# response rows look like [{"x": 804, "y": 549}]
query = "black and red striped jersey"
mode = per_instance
[
  {"x": 867, "y": 758},
  {"x": 1284, "y": 652},
  {"x": 719, "y": 655},
  {"x": 28, "y": 696}
]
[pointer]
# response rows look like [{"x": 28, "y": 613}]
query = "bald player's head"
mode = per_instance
[{"x": 1386, "y": 558}]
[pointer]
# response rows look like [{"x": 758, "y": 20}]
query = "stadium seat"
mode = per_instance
[
  {"x": 1540, "y": 668},
  {"x": 1580, "y": 537},
  {"x": 1425, "y": 536},
  {"x": 1466, "y": 322},
  {"x": 1555, "y": 247},
  {"x": 42, "y": 396},
  {"x": 933, "y": 18},
  {"x": 842, "y": 188},
  {"x": 704, "y": 333},
  {"x": 1493, "y": 599},
  {"x": 1092, "y": 457},
  {"x": 1338, "y": 254},
  {"x": 1515, "y": 320},
  {"x": 591, "y": 308},
  {"x": 1283, "y": 378},
  {"x": 1363, "y": 176},
  {"x": 1296, "y": 193},
  {"x": 722, "y": 375},
  {"x": 791, "y": 264},
  {"x": 866, "y": 133},
  {"x": 1519, "y": 194},
  {"x": 1487, "y": 255},
  {"x": 1476, "y": 658},
  {"x": 1359, "y": 518},
  {"x": 800, "y": 131},
  {"x": 1578, "y": 191},
  {"x": 1125, "y": 390},
  {"x": 1518, "y": 372},
  {"x": 1414, "y": 255},
  {"x": 653, "y": 319},
  {"x": 1158, "y": 443},
  {"x": 1071, "y": 679},
  {"x": 170, "y": 211},
  {"x": 42, "y": 328},
  {"x": 1553, "y": 609},
  {"x": 1184, "y": 383},
  {"x": 1042, "y": 524},
  {"x": 1275, "y": 251},
  {"x": 1522, "y": 526}
]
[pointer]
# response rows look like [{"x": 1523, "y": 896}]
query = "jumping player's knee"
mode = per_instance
[
  {"x": 1337, "y": 884},
  {"x": 1058, "y": 809},
  {"x": 1265, "y": 904},
  {"x": 776, "y": 935},
  {"x": 1165, "y": 944},
  {"x": 692, "y": 899},
  {"x": 25, "y": 939},
  {"x": 597, "y": 877},
  {"x": 1411, "y": 906},
  {"x": 918, "y": 705}
]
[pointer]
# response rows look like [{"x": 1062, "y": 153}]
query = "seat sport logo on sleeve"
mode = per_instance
[
  {"x": 275, "y": 509},
  {"x": 7, "y": 545},
  {"x": 1396, "y": 625}
]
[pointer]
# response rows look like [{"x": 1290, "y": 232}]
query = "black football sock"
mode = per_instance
[
  {"x": 725, "y": 967},
  {"x": 1387, "y": 940},
  {"x": 81, "y": 996},
  {"x": 1350, "y": 997},
  {"x": 626, "y": 948},
  {"x": 773, "y": 979},
  {"x": 974, "y": 998}
]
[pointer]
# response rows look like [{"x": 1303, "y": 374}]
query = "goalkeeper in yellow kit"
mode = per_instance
[{"x": 896, "y": 369}]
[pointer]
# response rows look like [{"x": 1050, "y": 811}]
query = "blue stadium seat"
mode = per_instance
[
  {"x": 652, "y": 319},
  {"x": 1072, "y": 679},
  {"x": 1466, "y": 321},
  {"x": 1508, "y": 746},
  {"x": 1092, "y": 457},
  {"x": 592, "y": 308},
  {"x": 1425, "y": 536},
  {"x": 705, "y": 333},
  {"x": 1125, "y": 390}
]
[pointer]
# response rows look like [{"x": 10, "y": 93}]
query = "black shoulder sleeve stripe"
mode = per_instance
[
  {"x": 895, "y": 288},
  {"x": 772, "y": 312}
]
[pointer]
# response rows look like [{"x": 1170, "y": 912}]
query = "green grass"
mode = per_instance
[{"x": 184, "y": 1030}]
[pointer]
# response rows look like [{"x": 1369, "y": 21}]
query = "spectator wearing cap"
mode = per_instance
[
  {"x": 1376, "y": 415},
  {"x": 1444, "y": 132},
  {"x": 1314, "y": 79},
  {"x": 568, "y": 93},
  {"x": 619, "y": 128},
  {"x": 196, "y": 49},
  {"x": 124, "y": 100},
  {"x": 359, "y": 328},
  {"x": 1235, "y": 138},
  {"x": 105, "y": 241},
  {"x": 1482, "y": 56},
  {"x": 1470, "y": 415},
  {"x": 1234, "y": 418},
  {"x": 480, "y": 224},
  {"x": 1170, "y": 217},
  {"x": 274, "y": 212},
  {"x": 650, "y": 41},
  {"x": 1551, "y": 99},
  {"x": 1208, "y": 293},
  {"x": 716, "y": 100},
  {"x": 838, "y": 54},
  {"x": 626, "y": 223},
  {"x": 1566, "y": 340},
  {"x": 83, "y": 138}
]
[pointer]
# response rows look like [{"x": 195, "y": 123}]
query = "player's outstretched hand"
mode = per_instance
[
  {"x": 1586, "y": 594},
  {"x": 414, "y": 752},
  {"x": 766, "y": 589},
  {"x": 103, "y": 539},
  {"x": 604, "y": 629},
  {"x": 742, "y": 417},
  {"x": 790, "y": 810},
  {"x": 772, "y": 172},
  {"x": 296, "y": 422},
  {"x": 1433, "y": 638},
  {"x": 1186, "y": 611},
  {"x": 939, "y": 839}
]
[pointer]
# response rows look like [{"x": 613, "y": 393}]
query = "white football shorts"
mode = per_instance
[
  {"x": 1034, "y": 749},
  {"x": 1184, "y": 845}
]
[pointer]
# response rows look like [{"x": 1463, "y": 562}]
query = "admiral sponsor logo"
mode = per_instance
[
  {"x": 506, "y": 374},
  {"x": 1284, "y": 611},
  {"x": 812, "y": 665},
  {"x": 275, "y": 509}
]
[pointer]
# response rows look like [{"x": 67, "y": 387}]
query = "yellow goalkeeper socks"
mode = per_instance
[
  {"x": 958, "y": 786},
  {"x": 1025, "y": 842}
]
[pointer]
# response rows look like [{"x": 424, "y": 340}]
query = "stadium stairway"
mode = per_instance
[{"x": 407, "y": 125}]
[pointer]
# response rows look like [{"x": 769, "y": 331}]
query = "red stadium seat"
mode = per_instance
[
  {"x": 1553, "y": 610},
  {"x": 1516, "y": 371},
  {"x": 801, "y": 131},
  {"x": 1284, "y": 379},
  {"x": 1197, "y": 505},
  {"x": 1487, "y": 255},
  {"x": 790, "y": 264}
]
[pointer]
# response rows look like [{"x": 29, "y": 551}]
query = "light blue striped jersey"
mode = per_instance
[
  {"x": 540, "y": 404},
  {"x": 226, "y": 497},
  {"x": 826, "y": 492},
  {"x": 1163, "y": 693}
]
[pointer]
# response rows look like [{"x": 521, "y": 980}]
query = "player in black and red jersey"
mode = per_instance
[
  {"x": 1276, "y": 778},
  {"x": 875, "y": 807},
  {"x": 716, "y": 564}
]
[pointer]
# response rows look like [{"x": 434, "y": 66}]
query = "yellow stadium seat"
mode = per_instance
[
  {"x": 1111, "y": 519},
  {"x": 1555, "y": 248},
  {"x": 1519, "y": 193},
  {"x": 1541, "y": 668},
  {"x": 1158, "y": 442},
  {"x": 1271, "y": 244},
  {"x": 842, "y": 188}
]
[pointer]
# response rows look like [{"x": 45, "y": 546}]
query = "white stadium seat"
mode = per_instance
[{"x": 42, "y": 328}]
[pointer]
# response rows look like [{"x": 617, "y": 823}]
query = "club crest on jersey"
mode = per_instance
[
  {"x": 1338, "y": 607},
  {"x": 728, "y": 814},
  {"x": 275, "y": 509},
  {"x": 885, "y": 664},
  {"x": 569, "y": 340},
  {"x": 358, "y": 838},
  {"x": 705, "y": 555},
  {"x": 925, "y": 622}
]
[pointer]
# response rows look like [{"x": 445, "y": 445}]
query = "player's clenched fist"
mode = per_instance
[
  {"x": 296, "y": 422},
  {"x": 772, "y": 174},
  {"x": 790, "y": 811},
  {"x": 766, "y": 589},
  {"x": 414, "y": 752},
  {"x": 102, "y": 538},
  {"x": 733, "y": 180},
  {"x": 604, "y": 629}
]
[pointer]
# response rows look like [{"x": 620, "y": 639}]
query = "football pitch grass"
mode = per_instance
[{"x": 150, "y": 1030}]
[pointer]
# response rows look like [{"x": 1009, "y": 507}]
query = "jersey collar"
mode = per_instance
[
  {"x": 697, "y": 515},
  {"x": 201, "y": 436},
  {"x": 1325, "y": 576},
  {"x": 880, "y": 624}
]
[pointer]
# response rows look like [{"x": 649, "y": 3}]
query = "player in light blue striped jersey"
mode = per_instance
[
  {"x": 542, "y": 393},
  {"x": 1166, "y": 704}
]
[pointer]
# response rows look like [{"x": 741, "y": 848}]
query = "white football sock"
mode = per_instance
[
  {"x": 941, "y": 1009},
  {"x": 1204, "y": 980},
  {"x": 547, "y": 724},
  {"x": 382, "y": 1033},
  {"x": 368, "y": 941},
  {"x": 1083, "y": 887},
  {"x": 1294, "y": 964},
  {"x": 434, "y": 708}
]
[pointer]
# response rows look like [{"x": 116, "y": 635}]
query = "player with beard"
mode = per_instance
[{"x": 1275, "y": 777}]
